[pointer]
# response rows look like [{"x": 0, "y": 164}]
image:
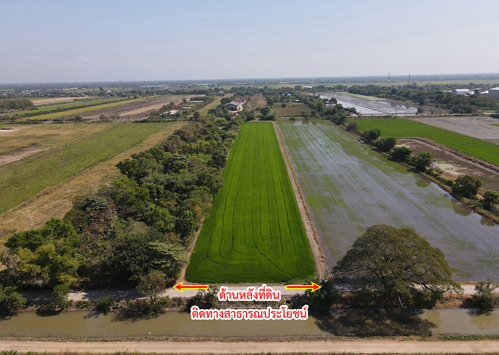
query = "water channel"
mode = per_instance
[{"x": 345, "y": 322}]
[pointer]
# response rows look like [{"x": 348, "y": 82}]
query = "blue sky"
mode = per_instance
[{"x": 60, "y": 41}]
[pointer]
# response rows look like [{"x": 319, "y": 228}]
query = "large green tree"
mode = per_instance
[
  {"x": 467, "y": 186},
  {"x": 391, "y": 266},
  {"x": 48, "y": 254}
]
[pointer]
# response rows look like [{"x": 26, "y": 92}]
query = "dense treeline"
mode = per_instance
[
  {"x": 140, "y": 224},
  {"x": 455, "y": 103},
  {"x": 15, "y": 104}
]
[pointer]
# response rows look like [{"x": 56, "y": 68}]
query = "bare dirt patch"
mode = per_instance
[
  {"x": 454, "y": 163},
  {"x": 306, "y": 216},
  {"x": 479, "y": 127},
  {"x": 5, "y": 159},
  {"x": 55, "y": 202}
]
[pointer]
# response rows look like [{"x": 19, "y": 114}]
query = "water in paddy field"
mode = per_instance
[
  {"x": 350, "y": 188},
  {"x": 341, "y": 322},
  {"x": 374, "y": 107}
]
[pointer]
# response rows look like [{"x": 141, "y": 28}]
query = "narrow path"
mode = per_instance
[
  {"x": 313, "y": 238},
  {"x": 358, "y": 347}
]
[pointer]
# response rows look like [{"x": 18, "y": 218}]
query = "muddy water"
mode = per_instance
[
  {"x": 349, "y": 322},
  {"x": 350, "y": 188}
]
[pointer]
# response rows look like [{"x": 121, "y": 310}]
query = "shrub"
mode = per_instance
[
  {"x": 490, "y": 198},
  {"x": 60, "y": 297},
  {"x": 11, "y": 301},
  {"x": 467, "y": 186},
  {"x": 485, "y": 297},
  {"x": 325, "y": 297},
  {"x": 401, "y": 153},
  {"x": 422, "y": 161},
  {"x": 104, "y": 303},
  {"x": 386, "y": 144},
  {"x": 352, "y": 126},
  {"x": 83, "y": 304}
]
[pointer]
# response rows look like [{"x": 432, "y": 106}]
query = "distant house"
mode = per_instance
[
  {"x": 460, "y": 92},
  {"x": 234, "y": 106},
  {"x": 494, "y": 93}
]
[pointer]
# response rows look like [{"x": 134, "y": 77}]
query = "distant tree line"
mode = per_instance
[{"x": 15, "y": 104}]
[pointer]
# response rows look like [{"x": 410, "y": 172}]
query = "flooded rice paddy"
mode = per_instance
[
  {"x": 373, "y": 107},
  {"x": 350, "y": 187},
  {"x": 341, "y": 322}
]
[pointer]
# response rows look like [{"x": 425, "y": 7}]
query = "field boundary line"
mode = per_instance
[{"x": 313, "y": 238}]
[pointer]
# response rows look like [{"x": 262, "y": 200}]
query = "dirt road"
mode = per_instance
[
  {"x": 359, "y": 347},
  {"x": 313, "y": 238}
]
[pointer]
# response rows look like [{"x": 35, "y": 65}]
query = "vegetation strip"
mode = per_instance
[
  {"x": 23, "y": 181},
  {"x": 254, "y": 232},
  {"x": 398, "y": 127}
]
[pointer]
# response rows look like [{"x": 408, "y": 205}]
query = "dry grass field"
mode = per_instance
[
  {"x": 257, "y": 100},
  {"x": 54, "y": 202},
  {"x": 21, "y": 138},
  {"x": 57, "y": 99},
  {"x": 291, "y": 109}
]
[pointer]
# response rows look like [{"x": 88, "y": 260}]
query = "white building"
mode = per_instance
[
  {"x": 461, "y": 92},
  {"x": 494, "y": 93}
]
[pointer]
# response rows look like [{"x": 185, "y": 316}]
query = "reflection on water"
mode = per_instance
[
  {"x": 358, "y": 322},
  {"x": 374, "y": 322},
  {"x": 422, "y": 182},
  {"x": 462, "y": 321},
  {"x": 461, "y": 209}
]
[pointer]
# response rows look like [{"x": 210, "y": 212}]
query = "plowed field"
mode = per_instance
[
  {"x": 350, "y": 188},
  {"x": 254, "y": 232}
]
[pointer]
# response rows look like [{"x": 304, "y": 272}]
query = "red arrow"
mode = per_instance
[
  {"x": 181, "y": 286},
  {"x": 313, "y": 287}
]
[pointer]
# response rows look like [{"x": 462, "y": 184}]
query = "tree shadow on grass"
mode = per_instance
[{"x": 374, "y": 322}]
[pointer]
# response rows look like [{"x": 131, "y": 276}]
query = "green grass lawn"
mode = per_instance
[
  {"x": 398, "y": 127},
  {"x": 19, "y": 181},
  {"x": 254, "y": 232}
]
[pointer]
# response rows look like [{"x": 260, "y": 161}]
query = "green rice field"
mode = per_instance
[
  {"x": 399, "y": 127},
  {"x": 19, "y": 181},
  {"x": 254, "y": 232}
]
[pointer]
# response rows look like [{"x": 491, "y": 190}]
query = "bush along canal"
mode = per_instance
[{"x": 349, "y": 188}]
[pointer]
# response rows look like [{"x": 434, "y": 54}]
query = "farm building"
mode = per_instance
[
  {"x": 494, "y": 93},
  {"x": 234, "y": 106},
  {"x": 460, "y": 92}
]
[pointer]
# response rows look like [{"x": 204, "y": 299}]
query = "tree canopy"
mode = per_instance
[{"x": 391, "y": 266}]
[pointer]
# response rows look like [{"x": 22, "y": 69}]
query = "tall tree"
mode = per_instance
[{"x": 392, "y": 266}]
